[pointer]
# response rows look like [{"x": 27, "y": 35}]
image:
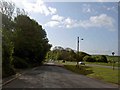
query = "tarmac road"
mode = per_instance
[{"x": 53, "y": 76}]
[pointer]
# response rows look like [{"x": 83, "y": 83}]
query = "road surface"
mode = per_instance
[{"x": 53, "y": 76}]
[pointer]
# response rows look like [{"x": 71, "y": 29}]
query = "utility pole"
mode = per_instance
[
  {"x": 77, "y": 44},
  {"x": 113, "y": 59},
  {"x": 77, "y": 50}
]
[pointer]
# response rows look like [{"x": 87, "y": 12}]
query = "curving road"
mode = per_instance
[{"x": 54, "y": 76}]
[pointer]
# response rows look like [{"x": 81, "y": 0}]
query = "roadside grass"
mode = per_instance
[
  {"x": 96, "y": 63},
  {"x": 101, "y": 73},
  {"x": 113, "y": 58},
  {"x": 84, "y": 70},
  {"x": 105, "y": 74},
  {"x": 104, "y": 64}
]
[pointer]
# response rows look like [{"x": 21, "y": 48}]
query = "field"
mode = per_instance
[
  {"x": 113, "y": 58},
  {"x": 104, "y": 74},
  {"x": 101, "y": 73}
]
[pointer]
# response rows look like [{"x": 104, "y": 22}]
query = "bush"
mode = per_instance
[
  {"x": 19, "y": 62},
  {"x": 63, "y": 61},
  {"x": 103, "y": 59},
  {"x": 7, "y": 51},
  {"x": 88, "y": 59},
  {"x": 7, "y": 71},
  {"x": 100, "y": 58},
  {"x": 81, "y": 55}
]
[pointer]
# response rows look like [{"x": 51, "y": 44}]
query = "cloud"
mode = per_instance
[
  {"x": 69, "y": 23},
  {"x": 52, "y": 10},
  {"x": 99, "y": 21},
  {"x": 57, "y": 18},
  {"x": 52, "y": 24},
  {"x": 102, "y": 20},
  {"x": 60, "y": 21},
  {"x": 37, "y": 6}
]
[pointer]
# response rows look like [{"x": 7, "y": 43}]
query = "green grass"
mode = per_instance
[
  {"x": 84, "y": 70},
  {"x": 101, "y": 73},
  {"x": 115, "y": 58},
  {"x": 105, "y": 74},
  {"x": 105, "y": 64}
]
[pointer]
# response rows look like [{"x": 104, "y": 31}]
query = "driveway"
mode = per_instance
[{"x": 53, "y": 76}]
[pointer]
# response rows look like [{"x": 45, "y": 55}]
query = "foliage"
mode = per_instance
[
  {"x": 30, "y": 41},
  {"x": 24, "y": 41},
  {"x": 88, "y": 59},
  {"x": 59, "y": 53},
  {"x": 20, "y": 62},
  {"x": 7, "y": 8},
  {"x": 113, "y": 58},
  {"x": 100, "y": 58},
  {"x": 7, "y": 48},
  {"x": 81, "y": 55},
  {"x": 96, "y": 58},
  {"x": 84, "y": 70}
]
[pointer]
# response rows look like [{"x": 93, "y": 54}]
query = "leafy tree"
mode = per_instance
[
  {"x": 59, "y": 53},
  {"x": 24, "y": 41},
  {"x": 88, "y": 59},
  {"x": 7, "y": 47},
  {"x": 100, "y": 58},
  {"x": 81, "y": 55},
  {"x": 7, "y": 8},
  {"x": 30, "y": 42}
]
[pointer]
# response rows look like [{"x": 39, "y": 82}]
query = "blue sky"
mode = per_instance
[{"x": 95, "y": 22}]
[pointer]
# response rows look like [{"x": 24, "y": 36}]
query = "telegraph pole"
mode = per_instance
[
  {"x": 77, "y": 44},
  {"x": 113, "y": 59},
  {"x": 77, "y": 49}
]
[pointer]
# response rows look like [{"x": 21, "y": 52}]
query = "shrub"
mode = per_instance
[
  {"x": 7, "y": 71},
  {"x": 103, "y": 59},
  {"x": 19, "y": 62},
  {"x": 63, "y": 61},
  {"x": 100, "y": 58},
  {"x": 88, "y": 59},
  {"x": 7, "y": 51},
  {"x": 81, "y": 55}
]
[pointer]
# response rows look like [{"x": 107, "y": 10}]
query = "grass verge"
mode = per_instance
[
  {"x": 104, "y": 64},
  {"x": 101, "y": 73}
]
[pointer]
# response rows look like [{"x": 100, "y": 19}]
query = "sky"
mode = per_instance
[{"x": 96, "y": 22}]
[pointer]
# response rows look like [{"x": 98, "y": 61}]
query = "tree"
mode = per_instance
[
  {"x": 81, "y": 55},
  {"x": 7, "y": 8},
  {"x": 88, "y": 59},
  {"x": 59, "y": 53},
  {"x": 24, "y": 41},
  {"x": 7, "y": 47},
  {"x": 30, "y": 42}
]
